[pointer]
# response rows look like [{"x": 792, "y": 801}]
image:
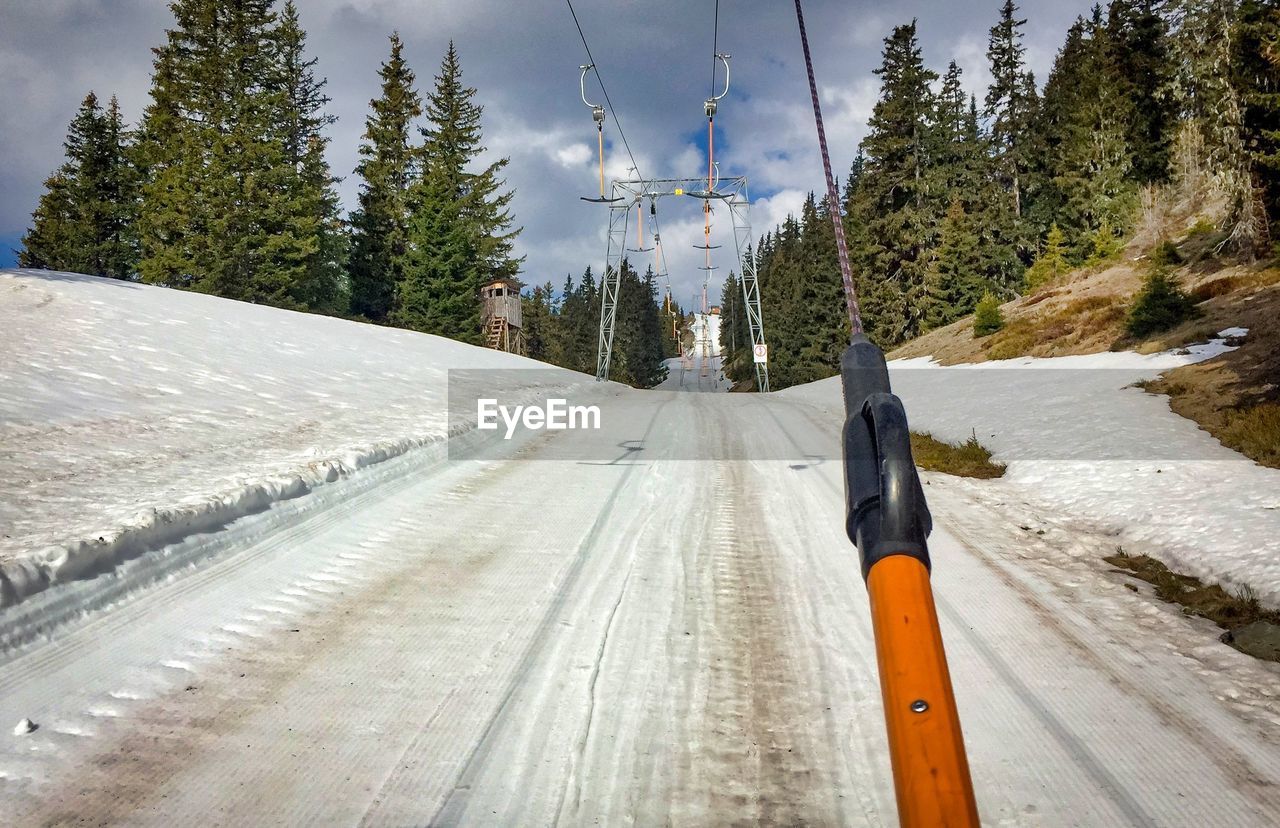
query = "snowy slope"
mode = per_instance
[
  {"x": 706, "y": 333},
  {"x": 695, "y": 374},
  {"x": 1078, "y": 437},
  {"x": 672, "y": 632},
  {"x": 131, "y": 416}
]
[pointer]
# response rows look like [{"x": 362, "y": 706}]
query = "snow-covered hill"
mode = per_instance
[
  {"x": 132, "y": 416},
  {"x": 1081, "y": 439}
]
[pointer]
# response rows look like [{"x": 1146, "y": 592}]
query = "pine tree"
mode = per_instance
[
  {"x": 1205, "y": 38},
  {"x": 439, "y": 292},
  {"x": 780, "y": 276},
  {"x": 475, "y": 203},
  {"x": 54, "y": 234},
  {"x": 1011, "y": 103},
  {"x": 963, "y": 176},
  {"x": 388, "y": 166},
  {"x": 1142, "y": 67},
  {"x": 1052, "y": 261},
  {"x": 1086, "y": 118},
  {"x": 987, "y": 316},
  {"x": 893, "y": 201},
  {"x": 820, "y": 295},
  {"x": 117, "y": 193},
  {"x": 84, "y": 222},
  {"x": 731, "y": 346},
  {"x": 216, "y": 209},
  {"x": 314, "y": 206},
  {"x": 1160, "y": 305},
  {"x": 578, "y": 322},
  {"x": 538, "y": 323},
  {"x": 1257, "y": 65},
  {"x": 640, "y": 331},
  {"x": 954, "y": 283}
]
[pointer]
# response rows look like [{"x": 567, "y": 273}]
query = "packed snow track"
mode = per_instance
[
  {"x": 653, "y": 640},
  {"x": 663, "y": 625}
]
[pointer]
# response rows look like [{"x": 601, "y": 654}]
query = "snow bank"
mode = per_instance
[
  {"x": 1079, "y": 437},
  {"x": 133, "y": 416}
]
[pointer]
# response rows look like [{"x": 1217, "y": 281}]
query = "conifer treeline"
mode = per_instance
[
  {"x": 565, "y": 332},
  {"x": 951, "y": 198},
  {"x": 224, "y": 188}
]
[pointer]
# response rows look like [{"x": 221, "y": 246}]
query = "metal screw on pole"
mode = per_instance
[{"x": 919, "y": 706}]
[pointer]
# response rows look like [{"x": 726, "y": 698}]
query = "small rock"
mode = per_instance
[
  {"x": 24, "y": 727},
  {"x": 1261, "y": 639}
]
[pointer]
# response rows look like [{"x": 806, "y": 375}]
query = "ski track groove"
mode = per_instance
[
  {"x": 451, "y": 809},
  {"x": 676, "y": 642}
]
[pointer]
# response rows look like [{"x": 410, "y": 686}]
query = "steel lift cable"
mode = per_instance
[
  {"x": 887, "y": 518},
  {"x": 833, "y": 197},
  {"x": 603, "y": 89}
]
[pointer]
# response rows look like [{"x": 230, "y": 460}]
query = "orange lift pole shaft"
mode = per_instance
[
  {"x": 888, "y": 520},
  {"x": 926, "y": 749},
  {"x": 600, "y": 138}
]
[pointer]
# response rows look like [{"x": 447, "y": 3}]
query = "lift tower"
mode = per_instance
[{"x": 625, "y": 193}]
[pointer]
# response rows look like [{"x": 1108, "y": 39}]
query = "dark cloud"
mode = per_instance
[{"x": 523, "y": 59}]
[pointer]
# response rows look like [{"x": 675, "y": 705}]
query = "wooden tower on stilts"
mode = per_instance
[{"x": 501, "y": 315}]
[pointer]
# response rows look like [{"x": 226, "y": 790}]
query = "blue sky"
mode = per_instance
[{"x": 523, "y": 58}]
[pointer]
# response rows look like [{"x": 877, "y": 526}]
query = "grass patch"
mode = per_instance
[
  {"x": 968, "y": 459},
  {"x": 1015, "y": 340},
  {"x": 1215, "y": 288},
  {"x": 1195, "y": 597},
  {"x": 1079, "y": 320},
  {"x": 1255, "y": 433}
]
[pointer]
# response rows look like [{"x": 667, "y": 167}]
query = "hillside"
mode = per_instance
[{"x": 1084, "y": 311}]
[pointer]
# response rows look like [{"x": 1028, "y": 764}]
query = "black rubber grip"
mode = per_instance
[{"x": 886, "y": 513}]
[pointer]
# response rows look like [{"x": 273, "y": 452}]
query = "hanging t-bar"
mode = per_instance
[{"x": 597, "y": 114}]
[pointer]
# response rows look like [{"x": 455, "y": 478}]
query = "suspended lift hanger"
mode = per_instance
[
  {"x": 709, "y": 106},
  {"x": 640, "y": 248},
  {"x": 597, "y": 114}
]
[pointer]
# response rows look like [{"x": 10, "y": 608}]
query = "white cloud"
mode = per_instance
[{"x": 574, "y": 155}]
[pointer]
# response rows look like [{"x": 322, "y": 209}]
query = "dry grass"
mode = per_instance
[
  {"x": 968, "y": 459},
  {"x": 1255, "y": 433},
  {"x": 1215, "y": 288},
  {"x": 1195, "y": 597},
  {"x": 1236, "y": 396},
  {"x": 1092, "y": 318}
]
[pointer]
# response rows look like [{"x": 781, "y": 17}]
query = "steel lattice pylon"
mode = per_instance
[{"x": 733, "y": 192}]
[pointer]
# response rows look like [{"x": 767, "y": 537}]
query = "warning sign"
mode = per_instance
[{"x": 762, "y": 353}]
